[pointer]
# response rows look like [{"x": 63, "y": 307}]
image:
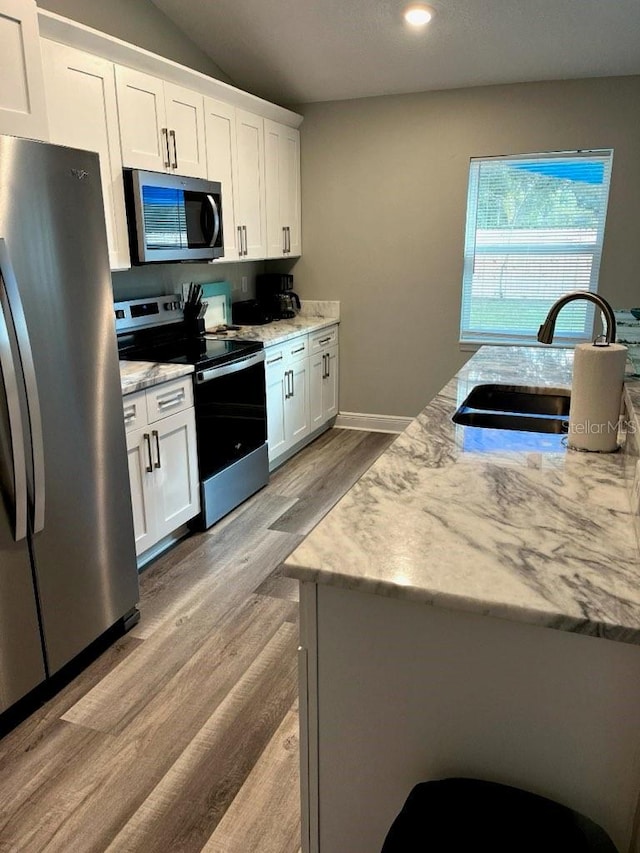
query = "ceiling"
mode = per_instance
[{"x": 300, "y": 51}]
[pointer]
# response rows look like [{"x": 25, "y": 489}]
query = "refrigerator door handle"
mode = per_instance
[
  {"x": 10, "y": 379},
  {"x": 19, "y": 323}
]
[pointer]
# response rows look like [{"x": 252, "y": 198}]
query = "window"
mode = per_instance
[{"x": 535, "y": 226}]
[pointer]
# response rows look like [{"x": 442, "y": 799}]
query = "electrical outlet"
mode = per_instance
[{"x": 245, "y": 284}]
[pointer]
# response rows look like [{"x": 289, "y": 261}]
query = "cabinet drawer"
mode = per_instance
[
  {"x": 135, "y": 410},
  {"x": 297, "y": 348},
  {"x": 169, "y": 398},
  {"x": 325, "y": 338},
  {"x": 274, "y": 357}
]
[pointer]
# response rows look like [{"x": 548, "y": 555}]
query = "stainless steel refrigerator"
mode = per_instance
[{"x": 67, "y": 555}]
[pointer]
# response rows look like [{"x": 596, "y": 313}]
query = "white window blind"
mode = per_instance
[{"x": 535, "y": 227}]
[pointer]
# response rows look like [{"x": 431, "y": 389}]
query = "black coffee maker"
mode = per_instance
[{"x": 275, "y": 292}]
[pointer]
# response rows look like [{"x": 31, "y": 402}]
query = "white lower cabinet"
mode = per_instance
[
  {"x": 163, "y": 467},
  {"x": 323, "y": 376},
  {"x": 302, "y": 389},
  {"x": 287, "y": 372}
]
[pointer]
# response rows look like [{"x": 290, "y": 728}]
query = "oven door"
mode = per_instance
[{"x": 231, "y": 424}]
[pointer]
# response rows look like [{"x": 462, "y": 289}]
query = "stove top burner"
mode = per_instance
[{"x": 201, "y": 352}]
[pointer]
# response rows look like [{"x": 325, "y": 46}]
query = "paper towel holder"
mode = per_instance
[{"x": 547, "y": 329}]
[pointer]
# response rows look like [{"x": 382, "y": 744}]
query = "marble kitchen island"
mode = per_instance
[{"x": 472, "y": 607}]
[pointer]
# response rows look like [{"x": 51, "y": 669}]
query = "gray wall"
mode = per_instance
[
  {"x": 384, "y": 184},
  {"x": 141, "y": 23}
]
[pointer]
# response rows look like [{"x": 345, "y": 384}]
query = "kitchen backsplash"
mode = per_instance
[{"x": 320, "y": 308}]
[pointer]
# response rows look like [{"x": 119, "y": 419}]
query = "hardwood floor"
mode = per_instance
[{"x": 182, "y": 735}]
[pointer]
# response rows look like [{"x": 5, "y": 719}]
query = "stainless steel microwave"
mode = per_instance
[{"x": 172, "y": 218}]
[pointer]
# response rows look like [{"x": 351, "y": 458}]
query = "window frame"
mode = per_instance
[{"x": 472, "y": 338}]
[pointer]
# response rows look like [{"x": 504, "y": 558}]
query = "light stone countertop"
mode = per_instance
[
  {"x": 538, "y": 533},
  {"x": 136, "y": 375},
  {"x": 279, "y": 331}
]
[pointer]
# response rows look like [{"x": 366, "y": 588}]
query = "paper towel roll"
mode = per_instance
[{"x": 596, "y": 397}]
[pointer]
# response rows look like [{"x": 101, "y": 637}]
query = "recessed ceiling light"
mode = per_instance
[{"x": 418, "y": 15}]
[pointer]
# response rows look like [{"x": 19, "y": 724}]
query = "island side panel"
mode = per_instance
[
  {"x": 308, "y": 716},
  {"x": 406, "y": 692}
]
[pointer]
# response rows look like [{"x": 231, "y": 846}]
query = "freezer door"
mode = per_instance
[
  {"x": 21, "y": 661},
  {"x": 59, "y": 288}
]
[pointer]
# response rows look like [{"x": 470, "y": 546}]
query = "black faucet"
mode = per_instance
[{"x": 546, "y": 330}]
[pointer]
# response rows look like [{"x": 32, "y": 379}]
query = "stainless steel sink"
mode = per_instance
[{"x": 516, "y": 407}]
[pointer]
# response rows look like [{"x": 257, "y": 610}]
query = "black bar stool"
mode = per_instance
[{"x": 465, "y": 815}]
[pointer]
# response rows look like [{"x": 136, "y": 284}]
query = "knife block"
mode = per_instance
[{"x": 194, "y": 327}]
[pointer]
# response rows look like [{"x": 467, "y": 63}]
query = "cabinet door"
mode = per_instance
[
  {"x": 185, "y": 122},
  {"x": 276, "y": 393},
  {"x": 330, "y": 386},
  {"x": 22, "y": 98},
  {"x": 175, "y": 464},
  {"x": 316, "y": 382},
  {"x": 297, "y": 415},
  {"x": 282, "y": 174},
  {"x": 220, "y": 132},
  {"x": 143, "y": 125},
  {"x": 81, "y": 97},
  {"x": 141, "y": 482},
  {"x": 250, "y": 188},
  {"x": 290, "y": 188}
]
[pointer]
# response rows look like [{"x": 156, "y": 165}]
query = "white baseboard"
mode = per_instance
[{"x": 372, "y": 423}]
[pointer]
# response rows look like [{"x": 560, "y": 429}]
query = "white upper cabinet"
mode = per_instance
[
  {"x": 161, "y": 125},
  {"x": 22, "y": 99},
  {"x": 185, "y": 120},
  {"x": 220, "y": 130},
  {"x": 282, "y": 167},
  {"x": 250, "y": 190},
  {"x": 81, "y": 98}
]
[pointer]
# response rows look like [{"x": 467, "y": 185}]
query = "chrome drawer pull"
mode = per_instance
[{"x": 172, "y": 401}]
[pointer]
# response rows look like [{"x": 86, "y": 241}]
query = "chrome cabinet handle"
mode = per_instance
[
  {"x": 293, "y": 390},
  {"x": 165, "y": 136},
  {"x": 9, "y": 376},
  {"x": 149, "y": 467},
  {"x": 172, "y": 134},
  {"x": 156, "y": 435},
  {"x": 172, "y": 401},
  {"x": 273, "y": 360},
  {"x": 288, "y": 240},
  {"x": 295, "y": 351},
  {"x": 239, "y": 229},
  {"x": 284, "y": 240},
  {"x": 34, "y": 417},
  {"x": 246, "y": 249},
  {"x": 324, "y": 340}
]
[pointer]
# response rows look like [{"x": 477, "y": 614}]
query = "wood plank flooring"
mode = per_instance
[{"x": 183, "y": 735}]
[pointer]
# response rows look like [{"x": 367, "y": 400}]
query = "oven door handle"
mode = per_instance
[{"x": 230, "y": 367}]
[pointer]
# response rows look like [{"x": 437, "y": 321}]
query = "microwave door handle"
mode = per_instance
[
  {"x": 10, "y": 379},
  {"x": 216, "y": 219},
  {"x": 30, "y": 385}
]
